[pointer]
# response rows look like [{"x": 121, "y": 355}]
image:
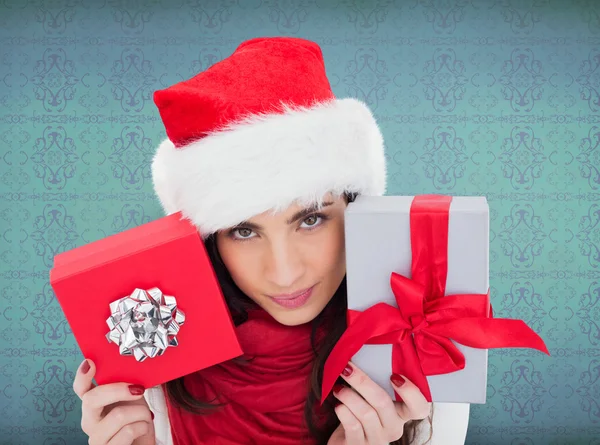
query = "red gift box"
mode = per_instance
[{"x": 167, "y": 254}]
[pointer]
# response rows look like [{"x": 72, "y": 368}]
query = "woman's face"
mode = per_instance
[{"x": 290, "y": 263}]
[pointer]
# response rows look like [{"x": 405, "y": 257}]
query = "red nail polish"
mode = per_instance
[
  {"x": 136, "y": 390},
  {"x": 152, "y": 415},
  {"x": 85, "y": 367},
  {"x": 337, "y": 388},
  {"x": 397, "y": 380},
  {"x": 347, "y": 371}
]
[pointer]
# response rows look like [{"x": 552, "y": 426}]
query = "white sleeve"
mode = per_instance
[
  {"x": 449, "y": 425},
  {"x": 162, "y": 428}
]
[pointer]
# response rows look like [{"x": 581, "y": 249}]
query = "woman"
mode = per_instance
[{"x": 264, "y": 159}]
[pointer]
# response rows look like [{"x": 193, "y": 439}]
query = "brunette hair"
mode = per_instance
[{"x": 333, "y": 319}]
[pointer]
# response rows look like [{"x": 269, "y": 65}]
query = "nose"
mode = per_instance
[{"x": 284, "y": 265}]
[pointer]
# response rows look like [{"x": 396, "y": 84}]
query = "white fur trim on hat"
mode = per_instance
[{"x": 269, "y": 162}]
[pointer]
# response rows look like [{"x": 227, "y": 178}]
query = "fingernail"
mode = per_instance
[
  {"x": 397, "y": 380},
  {"x": 152, "y": 415},
  {"x": 337, "y": 388},
  {"x": 136, "y": 390},
  {"x": 85, "y": 366},
  {"x": 347, "y": 370}
]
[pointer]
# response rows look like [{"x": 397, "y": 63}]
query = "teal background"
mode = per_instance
[{"x": 499, "y": 98}]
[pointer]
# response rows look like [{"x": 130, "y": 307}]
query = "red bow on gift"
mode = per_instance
[{"x": 420, "y": 329}]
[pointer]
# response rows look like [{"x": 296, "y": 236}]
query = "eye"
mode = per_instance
[
  {"x": 241, "y": 233},
  {"x": 313, "y": 221}
]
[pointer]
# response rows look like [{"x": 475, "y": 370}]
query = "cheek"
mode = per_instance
[
  {"x": 330, "y": 257},
  {"x": 240, "y": 265}
]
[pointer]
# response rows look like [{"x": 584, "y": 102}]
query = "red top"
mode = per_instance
[{"x": 264, "y": 396}]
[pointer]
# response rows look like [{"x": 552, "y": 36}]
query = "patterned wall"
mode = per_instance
[{"x": 500, "y": 98}]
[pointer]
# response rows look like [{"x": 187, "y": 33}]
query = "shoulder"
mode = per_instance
[
  {"x": 448, "y": 427},
  {"x": 155, "y": 397}
]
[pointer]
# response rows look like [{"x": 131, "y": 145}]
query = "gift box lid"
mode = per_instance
[
  {"x": 113, "y": 247},
  {"x": 395, "y": 204}
]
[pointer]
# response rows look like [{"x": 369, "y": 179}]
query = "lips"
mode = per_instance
[
  {"x": 290, "y": 296},
  {"x": 293, "y": 300}
]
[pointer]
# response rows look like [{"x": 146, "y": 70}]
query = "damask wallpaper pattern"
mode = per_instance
[{"x": 500, "y": 98}]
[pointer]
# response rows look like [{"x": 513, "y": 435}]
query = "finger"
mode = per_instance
[
  {"x": 338, "y": 436},
  {"x": 365, "y": 413},
  {"x": 353, "y": 430},
  {"x": 375, "y": 396},
  {"x": 129, "y": 433},
  {"x": 116, "y": 423},
  {"x": 95, "y": 400},
  {"x": 83, "y": 378},
  {"x": 414, "y": 406}
]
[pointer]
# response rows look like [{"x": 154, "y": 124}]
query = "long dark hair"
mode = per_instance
[{"x": 333, "y": 319}]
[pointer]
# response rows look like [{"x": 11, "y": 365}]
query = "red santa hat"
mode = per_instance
[{"x": 259, "y": 131}]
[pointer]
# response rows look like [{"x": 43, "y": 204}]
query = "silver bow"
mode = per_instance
[{"x": 145, "y": 323}]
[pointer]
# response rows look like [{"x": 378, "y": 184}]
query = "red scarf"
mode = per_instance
[{"x": 264, "y": 397}]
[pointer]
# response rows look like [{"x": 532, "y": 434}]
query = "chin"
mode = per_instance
[{"x": 293, "y": 319}]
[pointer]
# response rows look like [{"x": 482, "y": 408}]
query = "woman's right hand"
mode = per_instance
[{"x": 113, "y": 414}]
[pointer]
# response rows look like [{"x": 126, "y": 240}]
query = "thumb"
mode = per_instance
[
  {"x": 83, "y": 378},
  {"x": 414, "y": 405}
]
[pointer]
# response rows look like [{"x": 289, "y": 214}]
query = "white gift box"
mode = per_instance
[{"x": 378, "y": 243}]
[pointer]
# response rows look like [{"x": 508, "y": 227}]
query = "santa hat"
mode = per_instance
[{"x": 259, "y": 131}]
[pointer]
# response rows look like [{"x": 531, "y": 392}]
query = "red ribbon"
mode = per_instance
[{"x": 421, "y": 327}]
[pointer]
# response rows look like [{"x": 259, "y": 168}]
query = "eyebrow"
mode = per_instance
[{"x": 295, "y": 217}]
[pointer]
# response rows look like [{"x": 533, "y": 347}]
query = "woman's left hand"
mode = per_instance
[{"x": 367, "y": 413}]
